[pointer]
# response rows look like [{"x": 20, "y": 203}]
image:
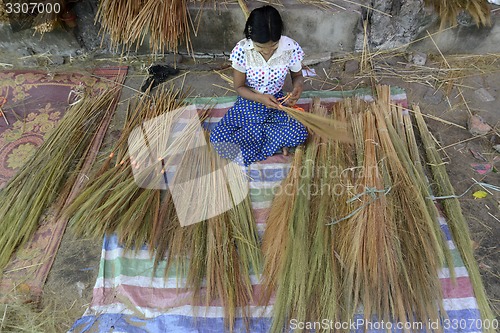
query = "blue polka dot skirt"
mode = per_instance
[{"x": 251, "y": 132}]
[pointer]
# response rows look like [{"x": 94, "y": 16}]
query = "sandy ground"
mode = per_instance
[{"x": 77, "y": 263}]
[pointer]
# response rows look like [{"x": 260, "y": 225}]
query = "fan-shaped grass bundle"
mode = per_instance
[
  {"x": 300, "y": 264},
  {"x": 37, "y": 185},
  {"x": 218, "y": 254}
]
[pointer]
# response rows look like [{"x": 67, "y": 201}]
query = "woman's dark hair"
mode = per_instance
[{"x": 264, "y": 25}]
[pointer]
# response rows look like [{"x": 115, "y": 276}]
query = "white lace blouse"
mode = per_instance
[{"x": 267, "y": 77}]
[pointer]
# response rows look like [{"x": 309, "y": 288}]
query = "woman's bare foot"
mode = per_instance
[{"x": 285, "y": 151}]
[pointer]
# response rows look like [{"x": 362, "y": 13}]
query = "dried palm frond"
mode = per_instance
[
  {"x": 29, "y": 194},
  {"x": 448, "y": 10},
  {"x": 456, "y": 221}
]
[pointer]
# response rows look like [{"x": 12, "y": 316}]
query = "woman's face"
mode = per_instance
[{"x": 266, "y": 49}]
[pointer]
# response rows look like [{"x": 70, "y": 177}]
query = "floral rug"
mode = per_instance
[{"x": 32, "y": 103}]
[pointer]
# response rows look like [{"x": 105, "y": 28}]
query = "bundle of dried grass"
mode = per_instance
[
  {"x": 275, "y": 237},
  {"x": 456, "y": 221},
  {"x": 166, "y": 22},
  {"x": 373, "y": 241},
  {"x": 29, "y": 194},
  {"x": 216, "y": 255},
  {"x": 98, "y": 210},
  {"x": 448, "y": 10},
  {"x": 116, "y": 17},
  {"x": 297, "y": 239},
  {"x": 386, "y": 269},
  {"x": 223, "y": 250}
]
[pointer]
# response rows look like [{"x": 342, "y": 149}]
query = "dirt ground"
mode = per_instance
[{"x": 75, "y": 269}]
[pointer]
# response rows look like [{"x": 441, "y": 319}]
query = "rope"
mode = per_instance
[
  {"x": 372, "y": 191},
  {"x": 484, "y": 185}
]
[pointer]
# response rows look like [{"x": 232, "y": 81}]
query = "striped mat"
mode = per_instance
[{"x": 129, "y": 297}]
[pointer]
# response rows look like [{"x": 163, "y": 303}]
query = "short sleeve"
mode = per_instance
[
  {"x": 297, "y": 57},
  {"x": 238, "y": 58}
]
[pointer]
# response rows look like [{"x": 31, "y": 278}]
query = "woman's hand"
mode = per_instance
[
  {"x": 298, "y": 87},
  {"x": 269, "y": 101},
  {"x": 295, "y": 95}
]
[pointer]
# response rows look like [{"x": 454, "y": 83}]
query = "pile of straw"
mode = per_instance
[
  {"x": 54, "y": 315},
  {"x": 50, "y": 173},
  {"x": 367, "y": 236},
  {"x": 448, "y": 10},
  {"x": 129, "y": 22}
]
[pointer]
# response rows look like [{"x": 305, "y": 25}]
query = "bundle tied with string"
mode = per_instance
[{"x": 370, "y": 239}]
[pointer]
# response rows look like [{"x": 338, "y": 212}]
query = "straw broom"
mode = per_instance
[
  {"x": 28, "y": 194},
  {"x": 291, "y": 294},
  {"x": 324, "y": 285},
  {"x": 367, "y": 242},
  {"x": 325, "y": 127},
  {"x": 221, "y": 249},
  {"x": 320, "y": 125},
  {"x": 416, "y": 230},
  {"x": 275, "y": 239},
  {"x": 403, "y": 142},
  {"x": 387, "y": 228},
  {"x": 448, "y": 10},
  {"x": 301, "y": 237},
  {"x": 234, "y": 232},
  {"x": 456, "y": 221}
]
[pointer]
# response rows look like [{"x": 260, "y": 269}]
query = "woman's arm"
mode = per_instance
[
  {"x": 239, "y": 81},
  {"x": 298, "y": 87}
]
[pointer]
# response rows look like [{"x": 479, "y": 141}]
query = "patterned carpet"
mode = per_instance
[{"x": 33, "y": 102}]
